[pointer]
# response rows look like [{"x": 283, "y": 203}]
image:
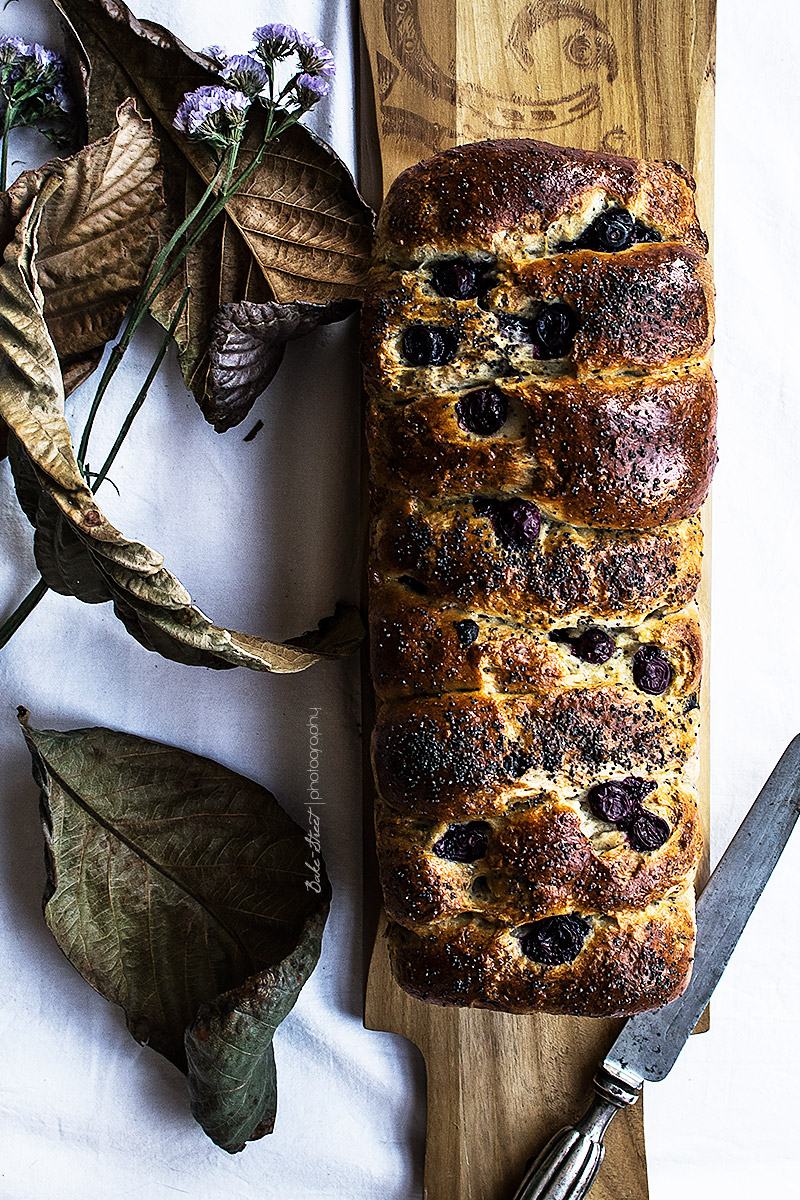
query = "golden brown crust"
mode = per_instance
[
  {"x": 421, "y": 646},
  {"x": 540, "y": 859},
  {"x": 469, "y": 196},
  {"x": 464, "y": 755},
  {"x": 535, "y": 648},
  {"x": 630, "y": 962},
  {"x": 568, "y": 574},
  {"x": 621, "y": 453},
  {"x": 648, "y": 306}
]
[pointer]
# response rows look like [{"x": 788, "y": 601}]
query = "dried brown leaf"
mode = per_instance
[
  {"x": 97, "y": 236},
  {"x": 247, "y": 346},
  {"x": 298, "y": 231},
  {"x": 42, "y": 457},
  {"x": 182, "y": 892}
]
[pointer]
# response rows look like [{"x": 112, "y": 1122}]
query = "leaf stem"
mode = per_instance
[
  {"x": 138, "y": 311},
  {"x": 166, "y": 250},
  {"x": 160, "y": 274},
  {"x": 157, "y": 278},
  {"x": 22, "y": 612},
  {"x": 142, "y": 396},
  {"x": 8, "y": 118},
  {"x": 211, "y": 216}
]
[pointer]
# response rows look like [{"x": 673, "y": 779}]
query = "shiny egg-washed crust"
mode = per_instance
[
  {"x": 654, "y": 309},
  {"x": 483, "y": 715},
  {"x": 629, "y": 963},
  {"x": 621, "y": 453},
  {"x": 544, "y": 854},
  {"x": 488, "y": 193},
  {"x": 570, "y": 574},
  {"x": 418, "y": 648}
]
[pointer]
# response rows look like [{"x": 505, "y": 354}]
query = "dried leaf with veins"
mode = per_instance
[
  {"x": 299, "y": 229},
  {"x": 85, "y": 553},
  {"x": 97, "y": 237},
  {"x": 248, "y": 342},
  {"x": 180, "y": 891}
]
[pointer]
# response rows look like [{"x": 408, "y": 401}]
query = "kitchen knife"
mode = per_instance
[{"x": 649, "y": 1044}]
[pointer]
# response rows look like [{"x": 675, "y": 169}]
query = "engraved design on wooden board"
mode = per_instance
[
  {"x": 539, "y": 32},
  {"x": 587, "y": 46}
]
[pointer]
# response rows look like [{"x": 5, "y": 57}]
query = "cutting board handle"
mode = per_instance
[{"x": 568, "y": 1165}]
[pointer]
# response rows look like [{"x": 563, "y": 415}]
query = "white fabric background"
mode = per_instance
[{"x": 265, "y": 535}]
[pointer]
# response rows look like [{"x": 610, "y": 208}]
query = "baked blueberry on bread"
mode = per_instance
[{"x": 542, "y": 434}]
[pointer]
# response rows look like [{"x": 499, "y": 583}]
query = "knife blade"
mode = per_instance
[{"x": 649, "y": 1044}]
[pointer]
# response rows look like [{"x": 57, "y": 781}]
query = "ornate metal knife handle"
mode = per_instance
[{"x": 566, "y": 1168}]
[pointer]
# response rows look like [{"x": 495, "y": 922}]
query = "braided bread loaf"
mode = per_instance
[{"x": 541, "y": 429}]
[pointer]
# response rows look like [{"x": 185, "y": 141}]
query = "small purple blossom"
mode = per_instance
[
  {"x": 274, "y": 42},
  {"x": 11, "y": 45},
  {"x": 198, "y": 115},
  {"x": 60, "y": 98},
  {"x": 217, "y": 54},
  {"x": 34, "y": 91},
  {"x": 46, "y": 59},
  {"x": 15, "y": 56},
  {"x": 310, "y": 89},
  {"x": 245, "y": 73},
  {"x": 315, "y": 58}
]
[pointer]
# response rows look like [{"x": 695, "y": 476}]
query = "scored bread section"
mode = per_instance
[{"x": 630, "y": 79}]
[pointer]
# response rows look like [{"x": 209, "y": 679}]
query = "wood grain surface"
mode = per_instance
[{"x": 631, "y": 77}]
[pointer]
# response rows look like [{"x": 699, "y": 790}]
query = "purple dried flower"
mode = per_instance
[
  {"x": 46, "y": 59},
  {"x": 310, "y": 89},
  {"x": 11, "y": 47},
  {"x": 197, "y": 115},
  {"x": 274, "y": 42},
  {"x": 60, "y": 98},
  {"x": 35, "y": 88},
  {"x": 217, "y": 54},
  {"x": 315, "y": 58},
  {"x": 245, "y": 73}
]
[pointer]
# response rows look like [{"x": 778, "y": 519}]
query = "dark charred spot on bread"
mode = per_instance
[
  {"x": 517, "y": 762},
  {"x": 413, "y": 585},
  {"x": 480, "y": 890}
]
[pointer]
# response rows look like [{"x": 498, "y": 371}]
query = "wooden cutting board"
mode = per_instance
[{"x": 631, "y": 77}]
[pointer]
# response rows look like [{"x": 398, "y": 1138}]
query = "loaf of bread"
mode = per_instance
[{"x": 541, "y": 430}]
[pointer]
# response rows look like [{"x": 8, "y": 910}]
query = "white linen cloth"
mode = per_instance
[{"x": 265, "y": 535}]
